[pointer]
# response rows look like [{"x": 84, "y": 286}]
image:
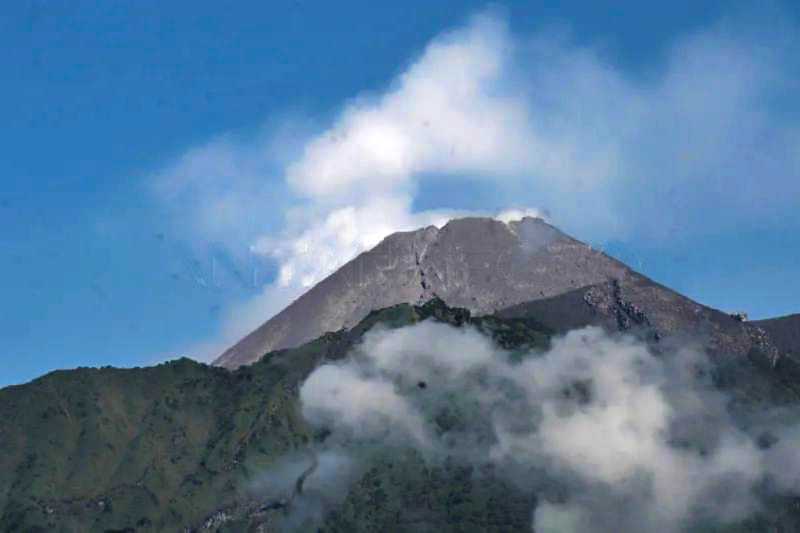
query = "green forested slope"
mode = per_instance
[
  {"x": 185, "y": 446},
  {"x": 164, "y": 447}
]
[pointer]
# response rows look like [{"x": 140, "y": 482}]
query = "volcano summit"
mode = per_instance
[{"x": 485, "y": 266}]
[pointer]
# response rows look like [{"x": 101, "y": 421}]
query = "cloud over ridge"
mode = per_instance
[
  {"x": 607, "y": 153},
  {"x": 631, "y": 440}
]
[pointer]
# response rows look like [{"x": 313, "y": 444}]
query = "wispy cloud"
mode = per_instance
[
  {"x": 699, "y": 142},
  {"x": 621, "y": 439}
]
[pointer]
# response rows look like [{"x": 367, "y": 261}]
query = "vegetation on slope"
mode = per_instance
[{"x": 184, "y": 446}]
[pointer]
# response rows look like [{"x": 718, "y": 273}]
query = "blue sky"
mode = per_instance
[{"x": 126, "y": 122}]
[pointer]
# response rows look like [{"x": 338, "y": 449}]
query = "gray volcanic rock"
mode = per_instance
[
  {"x": 636, "y": 304},
  {"x": 485, "y": 265},
  {"x": 480, "y": 264},
  {"x": 523, "y": 268},
  {"x": 784, "y": 332},
  {"x": 386, "y": 275}
]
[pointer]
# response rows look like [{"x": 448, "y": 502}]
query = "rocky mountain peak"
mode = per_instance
[{"x": 480, "y": 264}]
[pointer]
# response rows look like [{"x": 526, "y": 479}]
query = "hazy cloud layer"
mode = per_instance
[
  {"x": 606, "y": 152},
  {"x": 324, "y": 474},
  {"x": 638, "y": 442}
]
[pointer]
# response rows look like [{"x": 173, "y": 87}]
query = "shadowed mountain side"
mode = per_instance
[
  {"x": 480, "y": 264},
  {"x": 784, "y": 332},
  {"x": 634, "y": 303},
  {"x": 655, "y": 313}
]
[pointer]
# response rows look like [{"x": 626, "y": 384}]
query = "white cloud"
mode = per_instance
[
  {"x": 224, "y": 191},
  {"x": 599, "y": 415},
  {"x": 509, "y": 215},
  {"x": 312, "y": 252},
  {"x": 559, "y": 518},
  {"x": 607, "y": 153},
  {"x": 447, "y": 113},
  {"x": 342, "y": 398},
  {"x": 623, "y": 428}
]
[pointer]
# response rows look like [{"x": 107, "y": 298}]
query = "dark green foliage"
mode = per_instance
[
  {"x": 179, "y": 445},
  {"x": 152, "y": 448},
  {"x": 163, "y": 447}
]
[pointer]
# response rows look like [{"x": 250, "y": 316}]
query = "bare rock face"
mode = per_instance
[
  {"x": 477, "y": 263},
  {"x": 386, "y": 275},
  {"x": 523, "y": 268},
  {"x": 485, "y": 265},
  {"x": 783, "y": 331}
]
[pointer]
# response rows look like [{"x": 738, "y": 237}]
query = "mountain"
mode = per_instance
[
  {"x": 784, "y": 332},
  {"x": 184, "y": 446},
  {"x": 181, "y": 446},
  {"x": 485, "y": 266},
  {"x": 480, "y": 264},
  {"x": 479, "y": 377}
]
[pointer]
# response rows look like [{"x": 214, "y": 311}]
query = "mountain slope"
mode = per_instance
[
  {"x": 479, "y": 264},
  {"x": 184, "y": 445},
  {"x": 189, "y": 447},
  {"x": 485, "y": 266},
  {"x": 784, "y": 332}
]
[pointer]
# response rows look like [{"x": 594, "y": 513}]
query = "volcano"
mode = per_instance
[
  {"x": 487, "y": 266},
  {"x": 421, "y": 387}
]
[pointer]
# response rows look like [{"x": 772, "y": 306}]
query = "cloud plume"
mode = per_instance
[
  {"x": 615, "y": 426},
  {"x": 607, "y": 152}
]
